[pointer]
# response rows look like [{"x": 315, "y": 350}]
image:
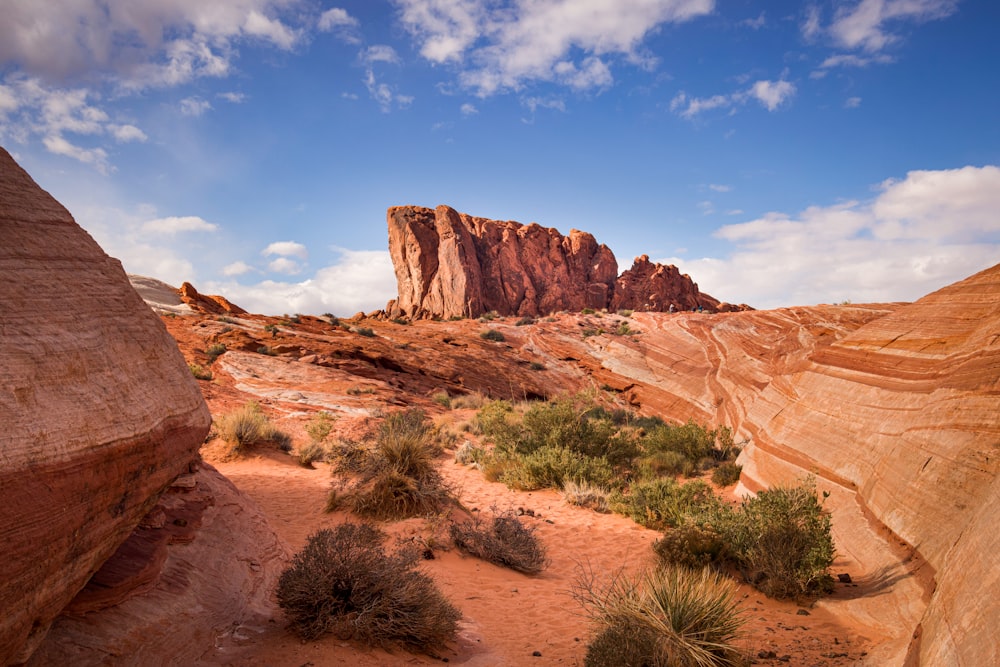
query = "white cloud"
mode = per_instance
[
  {"x": 194, "y": 106},
  {"x": 362, "y": 280},
  {"x": 852, "y": 102},
  {"x": 849, "y": 60},
  {"x": 336, "y": 18},
  {"x": 771, "y": 94},
  {"x": 95, "y": 156},
  {"x": 717, "y": 187},
  {"x": 236, "y": 269},
  {"x": 235, "y": 98},
  {"x": 810, "y": 26},
  {"x": 126, "y": 133},
  {"x": 919, "y": 234},
  {"x": 384, "y": 94},
  {"x": 503, "y": 46},
  {"x": 286, "y": 249},
  {"x": 468, "y": 109},
  {"x": 755, "y": 23},
  {"x": 176, "y": 225},
  {"x": 864, "y": 25},
  {"x": 284, "y": 265},
  {"x": 380, "y": 53},
  {"x": 270, "y": 29}
]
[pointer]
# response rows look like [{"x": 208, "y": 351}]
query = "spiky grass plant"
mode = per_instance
[
  {"x": 247, "y": 427},
  {"x": 669, "y": 617}
]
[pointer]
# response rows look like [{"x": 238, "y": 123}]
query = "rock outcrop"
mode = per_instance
[
  {"x": 450, "y": 264},
  {"x": 99, "y": 410}
]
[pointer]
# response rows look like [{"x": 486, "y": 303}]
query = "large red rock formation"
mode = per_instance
[
  {"x": 450, "y": 264},
  {"x": 99, "y": 410}
]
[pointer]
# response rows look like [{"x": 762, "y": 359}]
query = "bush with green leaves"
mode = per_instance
[
  {"x": 662, "y": 502},
  {"x": 200, "y": 372},
  {"x": 691, "y": 544},
  {"x": 502, "y": 540},
  {"x": 248, "y": 427},
  {"x": 214, "y": 351},
  {"x": 551, "y": 467},
  {"x": 780, "y": 540},
  {"x": 727, "y": 474},
  {"x": 345, "y": 583},
  {"x": 669, "y": 617},
  {"x": 493, "y": 335}
]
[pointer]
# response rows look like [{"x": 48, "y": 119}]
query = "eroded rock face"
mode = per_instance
[
  {"x": 99, "y": 410},
  {"x": 450, "y": 264}
]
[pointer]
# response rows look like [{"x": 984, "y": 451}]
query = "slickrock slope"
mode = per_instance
[
  {"x": 99, "y": 412},
  {"x": 190, "y": 586},
  {"x": 450, "y": 264},
  {"x": 906, "y": 412}
]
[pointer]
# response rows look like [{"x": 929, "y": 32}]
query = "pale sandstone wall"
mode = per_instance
[{"x": 98, "y": 409}]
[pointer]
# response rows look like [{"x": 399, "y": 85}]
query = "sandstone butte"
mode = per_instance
[
  {"x": 449, "y": 264},
  {"x": 102, "y": 424}
]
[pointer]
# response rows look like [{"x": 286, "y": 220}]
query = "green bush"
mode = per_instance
[
  {"x": 248, "y": 427},
  {"x": 343, "y": 582},
  {"x": 493, "y": 335},
  {"x": 664, "y": 464},
  {"x": 662, "y": 502},
  {"x": 363, "y": 331},
  {"x": 781, "y": 542},
  {"x": 727, "y": 474},
  {"x": 214, "y": 351},
  {"x": 671, "y": 617},
  {"x": 690, "y": 544},
  {"x": 692, "y": 440},
  {"x": 200, "y": 372},
  {"x": 320, "y": 426},
  {"x": 502, "y": 540},
  {"x": 442, "y": 398},
  {"x": 524, "y": 321},
  {"x": 552, "y": 467}
]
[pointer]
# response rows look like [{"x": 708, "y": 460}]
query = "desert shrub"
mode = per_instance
[
  {"x": 225, "y": 319},
  {"x": 524, "y": 321},
  {"x": 400, "y": 321},
  {"x": 312, "y": 452},
  {"x": 395, "y": 477},
  {"x": 363, "y": 331},
  {"x": 781, "y": 542},
  {"x": 536, "y": 366},
  {"x": 488, "y": 317},
  {"x": 690, "y": 544},
  {"x": 200, "y": 372},
  {"x": 358, "y": 391},
  {"x": 319, "y": 426},
  {"x": 625, "y": 313},
  {"x": 247, "y": 427},
  {"x": 468, "y": 454},
  {"x": 665, "y": 464},
  {"x": 587, "y": 311},
  {"x": 671, "y": 617},
  {"x": 493, "y": 335},
  {"x": 472, "y": 401},
  {"x": 344, "y": 582},
  {"x": 585, "y": 494},
  {"x": 726, "y": 474},
  {"x": 502, "y": 540},
  {"x": 271, "y": 329},
  {"x": 264, "y": 349},
  {"x": 692, "y": 440},
  {"x": 214, "y": 351},
  {"x": 494, "y": 421},
  {"x": 442, "y": 398},
  {"x": 623, "y": 329},
  {"x": 662, "y": 502},
  {"x": 552, "y": 467}
]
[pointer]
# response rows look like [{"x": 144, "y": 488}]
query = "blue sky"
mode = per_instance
[{"x": 781, "y": 153}]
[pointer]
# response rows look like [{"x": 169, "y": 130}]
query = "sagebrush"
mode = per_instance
[{"x": 502, "y": 540}]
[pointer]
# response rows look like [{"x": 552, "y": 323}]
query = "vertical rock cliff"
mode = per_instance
[{"x": 99, "y": 410}]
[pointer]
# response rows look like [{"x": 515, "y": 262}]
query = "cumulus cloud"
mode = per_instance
[
  {"x": 286, "y": 249},
  {"x": 235, "y": 98},
  {"x": 177, "y": 225},
  {"x": 502, "y": 46},
  {"x": 866, "y": 24},
  {"x": 284, "y": 265},
  {"x": 361, "y": 280},
  {"x": 238, "y": 268},
  {"x": 919, "y": 234},
  {"x": 336, "y": 18},
  {"x": 380, "y": 53},
  {"x": 770, "y": 94},
  {"x": 468, "y": 109}
]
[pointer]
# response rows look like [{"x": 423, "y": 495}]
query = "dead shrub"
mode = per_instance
[
  {"x": 248, "y": 427},
  {"x": 343, "y": 582},
  {"x": 502, "y": 540}
]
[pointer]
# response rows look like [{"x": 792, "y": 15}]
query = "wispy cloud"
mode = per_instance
[
  {"x": 177, "y": 225},
  {"x": 770, "y": 94},
  {"x": 918, "y": 234},
  {"x": 866, "y": 25},
  {"x": 194, "y": 106},
  {"x": 286, "y": 249},
  {"x": 504, "y": 46}
]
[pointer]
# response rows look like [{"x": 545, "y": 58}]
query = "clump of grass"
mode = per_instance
[
  {"x": 357, "y": 391},
  {"x": 727, "y": 474},
  {"x": 536, "y": 366},
  {"x": 200, "y": 372},
  {"x": 225, "y": 319},
  {"x": 468, "y": 454},
  {"x": 472, "y": 401},
  {"x": 502, "y": 540},
  {"x": 363, "y": 331},
  {"x": 345, "y": 583},
  {"x": 524, "y": 321},
  {"x": 248, "y": 427},
  {"x": 662, "y": 502},
  {"x": 318, "y": 430},
  {"x": 587, "y": 311},
  {"x": 669, "y": 617},
  {"x": 493, "y": 335},
  {"x": 214, "y": 351},
  {"x": 400, "y": 321},
  {"x": 271, "y": 329},
  {"x": 585, "y": 494},
  {"x": 625, "y": 313},
  {"x": 265, "y": 350},
  {"x": 442, "y": 398},
  {"x": 395, "y": 477},
  {"x": 488, "y": 317}
]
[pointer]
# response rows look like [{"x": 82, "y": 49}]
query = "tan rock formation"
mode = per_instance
[
  {"x": 190, "y": 585},
  {"x": 657, "y": 287},
  {"x": 208, "y": 303},
  {"x": 451, "y": 264},
  {"x": 99, "y": 410}
]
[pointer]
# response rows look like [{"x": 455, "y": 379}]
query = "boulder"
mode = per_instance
[{"x": 99, "y": 410}]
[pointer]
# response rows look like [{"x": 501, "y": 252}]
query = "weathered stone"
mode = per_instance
[{"x": 99, "y": 410}]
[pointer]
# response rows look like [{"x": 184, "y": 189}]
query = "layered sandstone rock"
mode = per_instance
[
  {"x": 450, "y": 264},
  {"x": 190, "y": 586},
  {"x": 99, "y": 410}
]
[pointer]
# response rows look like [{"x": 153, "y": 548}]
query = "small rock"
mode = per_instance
[{"x": 844, "y": 578}]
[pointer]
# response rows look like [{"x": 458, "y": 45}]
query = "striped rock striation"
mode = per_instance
[{"x": 99, "y": 410}]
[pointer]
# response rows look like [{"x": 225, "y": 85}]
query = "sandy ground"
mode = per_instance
[{"x": 508, "y": 618}]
